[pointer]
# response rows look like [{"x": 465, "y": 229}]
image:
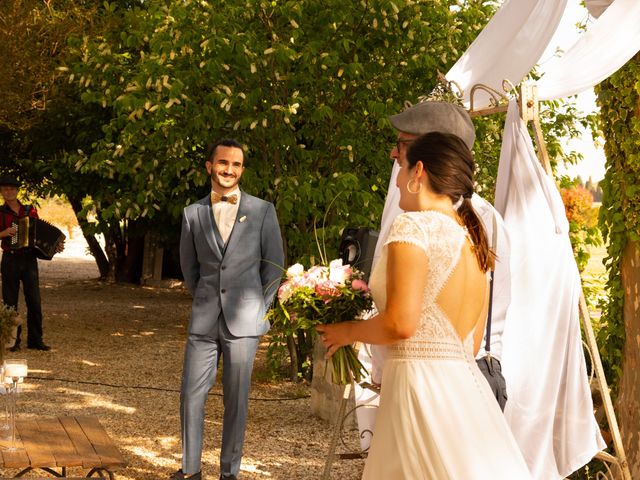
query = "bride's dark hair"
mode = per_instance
[{"x": 449, "y": 165}]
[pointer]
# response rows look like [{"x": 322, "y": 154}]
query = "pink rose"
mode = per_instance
[
  {"x": 358, "y": 284},
  {"x": 327, "y": 289},
  {"x": 316, "y": 275},
  {"x": 340, "y": 274},
  {"x": 285, "y": 291}
]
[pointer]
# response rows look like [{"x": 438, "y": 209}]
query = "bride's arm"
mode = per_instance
[{"x": 406, "y": 282}]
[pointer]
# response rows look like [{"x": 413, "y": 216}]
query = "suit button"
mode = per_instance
[
  {"x": 223, "y": 267},
  {"x": 223, "y": 291}
]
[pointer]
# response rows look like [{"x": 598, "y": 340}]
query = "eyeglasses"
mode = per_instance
[{"x": 400, "y": 141}]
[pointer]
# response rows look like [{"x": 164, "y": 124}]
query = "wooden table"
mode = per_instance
[{"x": 54, "y": 444}]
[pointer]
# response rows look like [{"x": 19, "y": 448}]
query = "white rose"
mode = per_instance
[
  {"x": 295, "y": 270},
  {"x": 337, "y": 263},
  {"x": 338, "y": 272}
]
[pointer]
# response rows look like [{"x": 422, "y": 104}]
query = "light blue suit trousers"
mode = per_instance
[{"x": 201, "y": 360}]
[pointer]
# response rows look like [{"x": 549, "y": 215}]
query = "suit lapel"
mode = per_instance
[
  {"x": 240, "y": 225},
  {"x": 205, "y": 214}
]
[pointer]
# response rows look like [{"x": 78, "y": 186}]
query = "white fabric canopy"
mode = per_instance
[
  {"x": 606, "y": 46},
  {"x": 550, "y": 410},
  {"x": 508, "y": 47},
  {"x": 517, "y": 35}
]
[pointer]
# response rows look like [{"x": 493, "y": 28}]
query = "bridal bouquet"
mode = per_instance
[{"x": 323, "y": 295}]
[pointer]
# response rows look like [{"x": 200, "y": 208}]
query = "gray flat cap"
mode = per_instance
[{"x": 434, "y": 116}]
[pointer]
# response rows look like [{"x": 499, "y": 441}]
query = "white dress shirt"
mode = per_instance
[{"x": 224, "y": 213}]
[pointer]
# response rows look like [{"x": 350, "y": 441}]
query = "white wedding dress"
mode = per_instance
[{"x": 437, "y": 418}]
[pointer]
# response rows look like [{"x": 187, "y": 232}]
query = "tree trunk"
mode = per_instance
[
  {"x": 130, "y": 270},
  {"x": 628, "y": 405},
  {"x": 111, "y": 249},
  {"x": 92, "y": 242}
]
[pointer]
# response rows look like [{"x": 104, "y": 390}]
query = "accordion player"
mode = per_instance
[{"x": 37, "y": 234}]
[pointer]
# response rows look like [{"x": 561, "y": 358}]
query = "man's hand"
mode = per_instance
[{"x": 8, "y": 232}]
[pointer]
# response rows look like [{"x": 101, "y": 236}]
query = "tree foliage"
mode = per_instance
[
  {"x": 305, "y": 85},
  {"x": 583, "y": 232},
  {"x": 618, "y": 98},
  {"x": 32, "y": 35}
]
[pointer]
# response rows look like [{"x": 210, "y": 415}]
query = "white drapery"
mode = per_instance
[
  {"x": 517, "y": 35},
  {"x": 550, "y": 410},
  {"x": 508, "y": 47},
  {"x": 607, "y": 45}
]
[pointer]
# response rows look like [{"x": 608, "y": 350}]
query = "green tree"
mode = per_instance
[
  {"x": 305, "y": 85},
  {"x": 619, "y": 100},
  {"x": 40, "y": 116}
]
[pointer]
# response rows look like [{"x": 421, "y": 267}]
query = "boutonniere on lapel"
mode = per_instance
[{"x": 242, "y": 219}]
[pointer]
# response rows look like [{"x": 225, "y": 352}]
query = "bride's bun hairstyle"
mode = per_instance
[{"x": 450, "y": 167}]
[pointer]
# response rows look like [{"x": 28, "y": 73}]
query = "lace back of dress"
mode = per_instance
[{"x": 442, "y": 239}]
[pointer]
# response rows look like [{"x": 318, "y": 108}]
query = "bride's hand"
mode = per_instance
[{"x": 335, "y": 336}]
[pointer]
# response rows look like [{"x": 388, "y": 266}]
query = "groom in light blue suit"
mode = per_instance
[{"x": 231, "y": 257}]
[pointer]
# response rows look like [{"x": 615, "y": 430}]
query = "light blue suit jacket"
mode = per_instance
[{"x": 239, "y": 281}]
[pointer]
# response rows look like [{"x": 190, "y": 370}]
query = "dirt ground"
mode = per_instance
[{"x": 117, "y": 354}]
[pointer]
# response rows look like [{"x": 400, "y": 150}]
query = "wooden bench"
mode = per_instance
[{"x": 55, "y": 444}]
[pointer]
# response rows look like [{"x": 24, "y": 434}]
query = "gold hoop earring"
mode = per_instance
[{"x": 409, "y": 186}]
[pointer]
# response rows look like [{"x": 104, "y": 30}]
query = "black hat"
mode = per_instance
[{"x": 9, "y": 181}]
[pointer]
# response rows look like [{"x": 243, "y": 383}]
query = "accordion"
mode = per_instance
[{"x": 37, "y": 234}]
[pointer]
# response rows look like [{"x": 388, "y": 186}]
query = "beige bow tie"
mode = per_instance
[{"x": 232, "y": 199}]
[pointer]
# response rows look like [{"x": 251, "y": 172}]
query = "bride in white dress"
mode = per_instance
[{"x": 437, "y": 419}]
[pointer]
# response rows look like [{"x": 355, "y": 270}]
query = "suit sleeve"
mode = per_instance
[
  {"x": 271, "y": 267},
  {"x": 188, "y": 256}
]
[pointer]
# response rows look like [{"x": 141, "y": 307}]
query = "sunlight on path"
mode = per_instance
[{"x": 73, "y": 264}]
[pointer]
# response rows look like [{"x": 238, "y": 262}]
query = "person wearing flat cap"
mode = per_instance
[{"x": 19, "y": 266}]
